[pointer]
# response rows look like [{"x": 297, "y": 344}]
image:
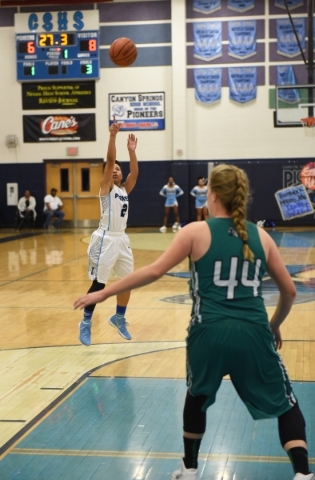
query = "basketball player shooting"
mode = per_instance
[{"x": 109, "y": 249}]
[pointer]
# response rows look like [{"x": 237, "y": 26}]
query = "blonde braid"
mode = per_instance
[{"x": 238, "y": 210}]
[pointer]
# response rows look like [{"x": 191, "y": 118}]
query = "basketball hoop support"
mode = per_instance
[{"x": 309, "y": 126}]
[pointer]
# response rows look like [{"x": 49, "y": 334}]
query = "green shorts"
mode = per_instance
[{"x": 247, "y": 353}]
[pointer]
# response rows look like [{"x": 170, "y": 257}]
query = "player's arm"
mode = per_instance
[
  {"x": 163, "y": 192},
  {"x": 280, "y": 275},
  {"x": 107, "y": 177},
  {"x": 179, "y": 249},
  {"x": 193, "y": 192},
  {"x": 133, "y": 165}
]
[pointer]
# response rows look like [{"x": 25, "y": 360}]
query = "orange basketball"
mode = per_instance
[{"x": 123, "y": 52}]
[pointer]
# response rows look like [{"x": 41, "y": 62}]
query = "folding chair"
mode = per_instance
[{"x": 23, "y": 220}]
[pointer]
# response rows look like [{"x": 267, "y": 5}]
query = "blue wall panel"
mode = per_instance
[
  {"x": 147, "y": 57},
  {"x": 159, "y": 33}
]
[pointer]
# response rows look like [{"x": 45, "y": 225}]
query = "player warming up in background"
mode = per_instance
[
  {"x": 229, "y": 332},
  {"x": 109, "y": 247},
  {"x": 200, "y": 194},
  {"x": 171, "y": 191}
]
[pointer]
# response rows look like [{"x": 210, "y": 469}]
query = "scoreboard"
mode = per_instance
[{"x": 59, "y": 54}]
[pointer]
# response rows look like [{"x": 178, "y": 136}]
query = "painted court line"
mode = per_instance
[{"x": 155, "y": 455}]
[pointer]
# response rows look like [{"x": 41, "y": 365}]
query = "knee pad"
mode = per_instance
[
  {"x": 291, "y": 425},
  {"x": 194, "y": 417}
]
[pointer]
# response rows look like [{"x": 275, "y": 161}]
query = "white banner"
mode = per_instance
[{"x": 138, "y": 111}]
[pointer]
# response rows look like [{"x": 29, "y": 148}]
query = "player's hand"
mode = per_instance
[
  {"x": 114, "y": 128},
  {"x": 88, "y": 299},
  {"x": 278, "y": 338},
  {"x": 132, "y": 142}
]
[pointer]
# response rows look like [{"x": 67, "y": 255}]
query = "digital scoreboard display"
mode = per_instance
[{"x": 56, "y": 55}]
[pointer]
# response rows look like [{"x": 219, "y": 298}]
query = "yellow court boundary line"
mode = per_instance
[{"x": 154, "y": 455}]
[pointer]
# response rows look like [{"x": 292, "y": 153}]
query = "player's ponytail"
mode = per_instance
[{"x": 232, "y": 187}]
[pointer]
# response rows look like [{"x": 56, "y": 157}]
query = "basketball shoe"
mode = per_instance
[
  {"x": 175, "y": 227},
  {"x": 184, "y": 473},
  {"x": 119, "y": 322},
  {"x": 300, "y": 476},
  {"x": 85, "y": 333},
  {"x": 163, "y": 229}
]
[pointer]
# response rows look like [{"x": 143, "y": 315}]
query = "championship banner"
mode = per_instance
[
  {"x": 208, "y": 84},
  {"x": 206, "y": 6},
  {"x": 291, "y": 4},
  {"x": 138, "y": 111},
  {"x": 241, "y": 5},
  {"x": 285, "y": 76},
  {"x": 59, "y": 128},
  {"x": 207, "y": 40},
  {"x": 61, "y": 95},
  {"x": 242, "y": 39},
  {"x": 242, "y": 83},
  {"x": 294, "y": 202},
  {"x": 287, "y": 43}
]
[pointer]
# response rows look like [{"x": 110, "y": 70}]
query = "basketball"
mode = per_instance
[{"x": 123, "y": 52}]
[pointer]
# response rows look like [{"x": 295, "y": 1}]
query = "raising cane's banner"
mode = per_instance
[{"x": 59, "y": 128}]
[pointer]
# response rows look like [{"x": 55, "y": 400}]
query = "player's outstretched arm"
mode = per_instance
[
  {"x": 133, "y": 165},
  {"x": 107, "y": 178},
  {"x": 179, "y": 249}
]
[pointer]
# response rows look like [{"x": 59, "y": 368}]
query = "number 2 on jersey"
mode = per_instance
[{"x": 124, "y": 210}]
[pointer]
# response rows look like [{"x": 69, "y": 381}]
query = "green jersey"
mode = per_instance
[{"x": 225, "y": 286}]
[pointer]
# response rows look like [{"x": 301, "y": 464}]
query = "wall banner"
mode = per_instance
[
  {"x": 59, "y": 128},
  {"x": 285, "y": 76},
  {"x": 208, "y": 84},
  {"x": 287, "y": 44},
  {"x": 241, "y": 5},
  {"x": 206, "y": 6},
  {"x": 294, "y": 202},
  {"x": 59, "y": 95},
  {"x": 207, "y": 40},
  {"x": 243, "y": 84},
  {"x": 242, "y": 38},
  {"x": 291, "y": 4},
  {"x": 138, "y": 111}
]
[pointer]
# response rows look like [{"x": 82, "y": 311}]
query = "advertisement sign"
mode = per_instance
[
  {"x": 61, "y": 95},
  {"x": 59, "y": 128},
  {"x": 138, "y": 111}
]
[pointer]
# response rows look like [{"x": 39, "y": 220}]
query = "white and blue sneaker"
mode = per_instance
[
  {"x": 119, "y": 322},
  {"x": 85, "y": 333},
  {"x": 184, "y": 473}
]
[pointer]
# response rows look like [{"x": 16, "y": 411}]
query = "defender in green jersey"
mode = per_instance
[{"x": 229, "y": 332}]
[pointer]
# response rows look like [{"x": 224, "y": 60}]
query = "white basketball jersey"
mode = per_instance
[{"x": 114, "y": 210}]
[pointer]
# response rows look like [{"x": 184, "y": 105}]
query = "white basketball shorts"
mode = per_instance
[{"x": 109, "y": 252}]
